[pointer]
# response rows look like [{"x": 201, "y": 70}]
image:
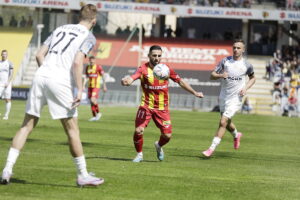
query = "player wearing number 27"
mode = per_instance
[
  {"x": 60, "y": 61},
  {"x": 154, "y": 102}
]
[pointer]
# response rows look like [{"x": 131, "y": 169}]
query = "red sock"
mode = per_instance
[
  {"x": 138, "y": 142},
  {"x": 163, "y": 140},
  {"x": 93, "y": 110},
  {"x": 96, "y": 108}
]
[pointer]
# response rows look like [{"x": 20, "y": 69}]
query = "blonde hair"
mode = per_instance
[{"x": 88, "y": 12}]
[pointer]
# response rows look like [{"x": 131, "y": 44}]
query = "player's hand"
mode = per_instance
[
  {"x": 199, "y": 94},
  {"x": 242, "y": 92},
  {"x": 126, "y": 81},
  {"x": 104, "y": 89},
  {"x": 77, "y": 100},
  {"x": 225, "y": 75}
]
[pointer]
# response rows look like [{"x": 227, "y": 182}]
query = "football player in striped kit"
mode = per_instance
[
  {"x": 154, "y": 102},
  {"x": 94, "y": 73}
]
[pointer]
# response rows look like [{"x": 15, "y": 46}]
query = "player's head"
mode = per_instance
[
  {"x": 238, "y": 48},
  {"x": 92, "y": 60},
  {"x": 88, "y": 13},
  {"x": 154, "y": 55},
  {"x": 4, "y": 54}
]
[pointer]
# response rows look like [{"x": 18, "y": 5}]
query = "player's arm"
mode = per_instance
[
  {"x": 77, "y": 74},
  {"x": 103, "y": 80},
  {"x": 41, "y": 54},
  {"x": 104, "y": 83},
  {"x": 10, "y": 74},
  {"x": 185, "y": 85},
  {"x": 128, "y": 80},
  {"x": 219, "y": 71},
  {"x": 249, "y": 84},
  {"x": 215, "y": 75}
]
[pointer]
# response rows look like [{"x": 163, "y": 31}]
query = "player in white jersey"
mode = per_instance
[
  {"x": 6, "y": 75},
  {"x": 61, "y": 61},
  {"x": 232, "y": 71}
]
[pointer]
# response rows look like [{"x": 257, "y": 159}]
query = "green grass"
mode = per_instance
[{"x": 266, "y": 167}]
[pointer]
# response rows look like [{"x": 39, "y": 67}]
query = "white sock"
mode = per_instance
[
  {"x": 216, "y": 141},
  {"x": 12, "y": 157},
  {"x": 7, "y": 106},
  {"x": 140, "y": 154},
  {"x": 234, "y": 133},
  {"x": 81, "y": 166}
]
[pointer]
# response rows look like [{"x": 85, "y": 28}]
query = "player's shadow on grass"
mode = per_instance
[
  {"x": 20, "y": 181},
  {"x": 10, "y": 139},
  {"x": 116, "y": 159}
]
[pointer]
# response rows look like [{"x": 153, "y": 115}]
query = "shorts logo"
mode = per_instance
[{"x": 166, "y": 123}]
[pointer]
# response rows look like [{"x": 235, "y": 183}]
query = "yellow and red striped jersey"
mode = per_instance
[
  {"x": 94, "y": 74},
  {"x": 155, "y": 92}
]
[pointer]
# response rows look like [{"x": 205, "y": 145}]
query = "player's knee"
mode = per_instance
[
  {"x": 167, "y": 136},
  {"x": 223, "y": 123},
  {"x": 139, "y": 131}
]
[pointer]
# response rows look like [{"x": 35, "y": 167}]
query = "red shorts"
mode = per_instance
[
  {"x": 93, "y": 92},
  {"x": 160, "y": 117}
]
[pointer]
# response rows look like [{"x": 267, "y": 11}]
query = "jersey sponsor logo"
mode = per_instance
[
  {"x": 159, "y": 87},
  {"x": 232, "y": 78}
]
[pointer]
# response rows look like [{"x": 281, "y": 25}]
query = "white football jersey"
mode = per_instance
[
  {"x": 64, "y": 42},
  {"x": 5, "y": 70},
  {"x": 236, "y": 80}
]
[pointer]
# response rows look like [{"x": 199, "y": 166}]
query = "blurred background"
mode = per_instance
[{"x": 195, "y": 36}]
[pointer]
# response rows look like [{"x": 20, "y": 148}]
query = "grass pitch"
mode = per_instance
[{"x": 266, "y": 167}]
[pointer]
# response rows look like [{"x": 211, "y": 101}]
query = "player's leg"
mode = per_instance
[
  {"x": 7, "y": 98},
  {"x": 18, "y": 142},
  {"x": 7, "y": 108},
  {"x": 143, "y": 117},
  {"x": 70, "y": 126},
  {"x": 236, "y": 135},
  {"x": 93, "y": 95},
  {"x": 218, "y": 136},
  {"x": 163, "y": 122}
]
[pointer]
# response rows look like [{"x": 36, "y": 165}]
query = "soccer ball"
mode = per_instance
[{"x": 161, "y": 71}]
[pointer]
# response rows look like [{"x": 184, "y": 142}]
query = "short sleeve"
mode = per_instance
[
  {"x": 11, "y": 66},
  {"x": 47, "y": 42},
  {"x": 220, "y": 66},
  {"x": 137, "y": 74},
  {"x": 250, "y": 70},
  {"x": 174, "y": 76},
  {"x": 100, "y": 70},
  {"x": 88, "y": 44}
]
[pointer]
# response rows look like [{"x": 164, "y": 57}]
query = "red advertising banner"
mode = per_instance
[{"x": 178, "y": 55}]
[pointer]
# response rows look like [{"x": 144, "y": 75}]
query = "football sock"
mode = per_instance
[
  {"x": 97, "y": 108},
  {"x": 140, "y": 154},
  {"x": 93, "y": 110},
  {"x": 163, "y": 140},
  {"x": 138, "y": 142},
  {"x": 12, "y": 157},
  {"x": 8, "y": 106},
  {"x": 81, "y": 166},
  {"x": 234, "y": 133},
  {"x": 216, "y": 141}
]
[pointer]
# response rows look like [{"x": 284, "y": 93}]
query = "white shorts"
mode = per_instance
[
  {"x": 59, "y": 98},
  {"x": 5, "y": 92},
  {"x": 230, "y": 106}
]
